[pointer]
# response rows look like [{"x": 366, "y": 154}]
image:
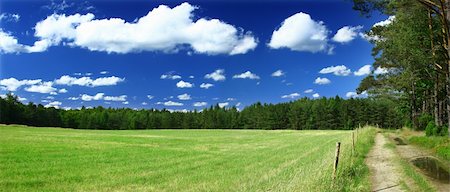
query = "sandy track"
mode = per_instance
[{"x": 384, "y": 170}]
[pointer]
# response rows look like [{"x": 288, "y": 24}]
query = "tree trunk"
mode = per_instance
[
  {"x": 414, "y": 106},
  {"x": 447, "y": 3},
  {"x": 446, "y": 14},
  {"x": 437, "y": 116}
]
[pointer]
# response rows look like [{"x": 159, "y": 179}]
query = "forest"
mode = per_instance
[
  {"x": 413, "y": 48},
  {"x": 302, "y": 114}
]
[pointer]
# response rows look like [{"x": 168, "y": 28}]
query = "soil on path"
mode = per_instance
[{"x": 385, "y": 174}]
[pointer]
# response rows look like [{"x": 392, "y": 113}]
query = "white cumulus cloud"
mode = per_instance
[
  {"x": 184, "y": 84},
  {"x": 45, "y": 87},
  {"x": 352, "y": 94},
  {"x": 364, "y": 70},
  {"x": 386, "y": 22},
  {"x": 300, "y": 32},
  {"x": 87, "y": 81},
  {"x": 291, "y": 96},
  {"x": 184, "y": 97},
  {"x": 340, "y": 70},
  {"x": 206, "y": 85},
  {"x": 278, "y": 73},
  {"x": 200, "y": 104},
  {"x": 115, "y": 98},
  {"x": 172, "y": 103},
  {"x": 308, "y": 91},
  {"x": 62, "y": 91},
  {"x": 55, "y": 104},
  {"x": 316, "y": 95},
  {"x": 12, "y": 84},
  {"x": 222, "y": 105},
  {"x": 96, "y": 97},
  {"x": 170, "y": 75},
  {"x": 347, "y": 34},
  {"x": 322, "y": 81},
  {"x": 380, "y": 71},
  {"x": 217, "y": 75},
  {"x": 246, "y": 75},
  {"x": 171, "y": 29}
]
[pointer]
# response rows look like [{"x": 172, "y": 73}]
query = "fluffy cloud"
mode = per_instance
[
  {"x": 217, "y": 75},
  {"x": 322, "y": 81},
  {"x": 87, "y": 81},
  {"x": 115, "y": 98},
  {"x": 62, "y": 91},
  {"x": 171, "y": 30},
  {"x": 371, "y": 37},
  {"x": 9, "y": 44},
  {"x": 301, "y": 33},
  {"x": 200, "y": 104},
  {"x": 308, "y": 91},
  {"x": 246, "y": 75},
  {"x": 347, "y": 34},
  {"x": 100, "y": 96},
  {"x": 12, "y": 84},
  {"x": 278, "y": 73},
  {"x": 8, "y": 17},
  {"x": 170, "y": 75},
  {"x": 351, "y": 94},
  {"x": 291, "y": 96},
  {"x": 206, "y": 85},
  {"x": 104, "y": 72},
  {"x": 171, "y": 103},
  {"x": 340, "y": 70},
  {"x": 184, "y": 97},
  {"x": 316, "y": 95},
  {"x": 55, "y": 104},
  {"x": 45, "y": 87},
  {"x": 364, "y": 70},
  {"x": 184, "y": 84},
  {"x": 96, "y": 97},
  {"x": 222, "y": 105},
  {"x": 386, "y": 22},
  {"x": 150, "y": 96},
  {"x": 380, "y": 71}
]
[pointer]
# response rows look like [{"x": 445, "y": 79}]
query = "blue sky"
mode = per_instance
[{"x": 157, "y": 54}]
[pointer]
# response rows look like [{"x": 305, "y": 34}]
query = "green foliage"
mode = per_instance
[
  {"x": 431, "y": 129},
  {"x": 303, "y": 114},
  {"x": 439, "y": 144},
  {"x": 424, "y": 120},
  {"x": 412, "y": 50},
  {"x": 353, "y": 173}
]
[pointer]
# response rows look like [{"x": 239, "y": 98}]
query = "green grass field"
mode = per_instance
[{"x": 54, "y": 159}]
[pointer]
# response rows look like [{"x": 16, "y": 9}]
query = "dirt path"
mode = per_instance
[{"x": 385, "y": 175}]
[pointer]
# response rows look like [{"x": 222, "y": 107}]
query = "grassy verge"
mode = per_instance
[
  {"x": 410, "y": 172},
  {"x": 439, "y": 145},
  {"x": 353, "y": 173}
]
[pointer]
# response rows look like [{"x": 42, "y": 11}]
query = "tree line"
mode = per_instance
[
  {"x": 414, "y": 50},
  {"x": 302, "y": 114}
]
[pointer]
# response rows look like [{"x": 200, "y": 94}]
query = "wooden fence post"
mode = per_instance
[
  {"x": 353, "y": 143},
  {"x": 336, "y": 161}
]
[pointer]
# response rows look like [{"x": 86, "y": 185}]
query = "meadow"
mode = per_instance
[{"x": 56, "y": 159}]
